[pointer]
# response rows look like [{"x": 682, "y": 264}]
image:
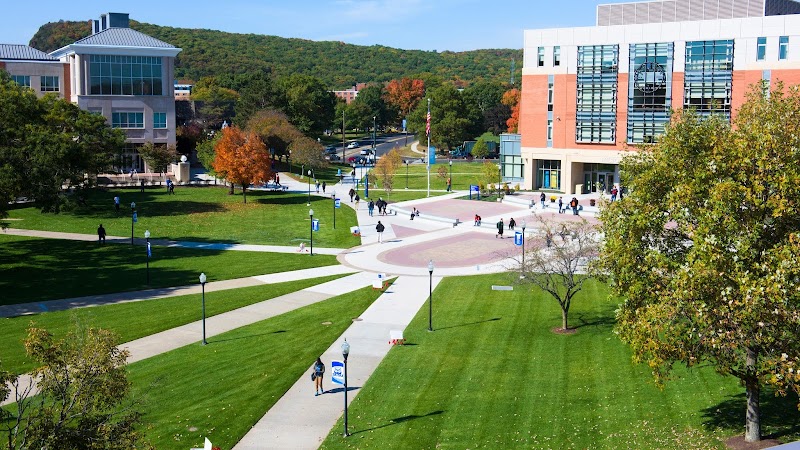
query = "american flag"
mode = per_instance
[{"x": 428, "y": 124}]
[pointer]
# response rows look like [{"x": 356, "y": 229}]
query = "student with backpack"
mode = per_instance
[{"x": 317, "y": 375}]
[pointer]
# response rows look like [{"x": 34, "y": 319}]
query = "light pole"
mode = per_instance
[
  {"x": 203, "y": 287},
  {"x": 522, "y": 272},
  {"x": 133, "y": 218},
  {"x": 147, "y": 240},
  {"x": 430, "y": 296},
  {"x": 345, "y": 352},
  {"x": 406, "y": 174},
  {"x": 343, "y": 138},
  {"x": 354, "y": 176},
  {"x": 499, "y": 179},
  {"x": 373, "y": 135},
  {"x": 309, "y": 188},
  {"x": 311, "y": 230},
  {"x": 450, "y": 185},
  {"x": 333, "y": 197}
]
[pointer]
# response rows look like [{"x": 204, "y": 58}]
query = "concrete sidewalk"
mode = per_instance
[{"x": 299, "y": 420}]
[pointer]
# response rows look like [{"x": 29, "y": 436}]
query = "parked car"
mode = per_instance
[
  {"x": 366, "y": 151},
  {"x": 330, "y": 150},
  {"x": 333, "y": 157},
  {"x": 352, "y": 145}
]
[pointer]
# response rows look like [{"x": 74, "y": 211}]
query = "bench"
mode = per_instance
[
  {"x": 396, "y": 337},
  {"x": 276, "y": 187}
]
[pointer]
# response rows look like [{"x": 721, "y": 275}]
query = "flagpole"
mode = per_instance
[{"x": 428, "y": 129}]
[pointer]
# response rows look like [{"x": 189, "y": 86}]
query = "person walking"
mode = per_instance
[
  {"x": 116, "y": 203},
  {"x": 323, "y": 187},
  {"x": 512, "y": 223},
  {"x": 541, "y": 199},
  {"x": 316, "y": 185},
  {"x": 317, "y": 375},
  {"x": 500, "y": 226},
  {"x": 449, "y": 184},
  {"x": 370, "y": 207},
  {"x": 101, "y": 234},
  {"x": 574, "y": 205},
  {"x": 351, "y": 193},
  {"x": 379, "y": 228},
  {"x": 614, "y": 194},
  {"x": 560, "y": 205},
  {"x": 358, "y": 199}
]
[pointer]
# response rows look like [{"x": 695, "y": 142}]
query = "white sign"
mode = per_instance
[{"x": 337, "y": 372}]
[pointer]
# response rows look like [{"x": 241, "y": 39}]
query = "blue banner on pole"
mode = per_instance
[
  {"x": 404, "y": 125},
  {"x": 366, "y": 185},
  {"x": 518, "y": 238},
  {"x": 431, "y": 155},
  {"x": 337, "y": 372},
  {"x": 315, "y": 225},
  {"x": 135, "y": 218},
  {"x": 338, "y": 203},
  {"x": 149, "y": 253}
]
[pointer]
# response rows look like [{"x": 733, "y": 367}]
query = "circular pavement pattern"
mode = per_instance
[{"x": 462, "y": 250}]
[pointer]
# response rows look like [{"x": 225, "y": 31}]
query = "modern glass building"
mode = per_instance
[{"x": 589, "y": 94}]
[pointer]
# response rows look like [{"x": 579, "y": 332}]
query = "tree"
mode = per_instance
[
  {"x": 83, "y": 395},
  {"x": 386, "y": 168},
  {"x": 157, "y": 156},
  {"x": 490, "y": 173},
  {"x": 704, "y": 249},
  {"x": 243, "y": 158},
  {"x": 257, "y": 94},
  {"x": 215, "y": 104},
  {"x": 557, "y": 261},
  {"x": 308, "y": 152},
  {"x": 372, "y": 97},
  {"x": 404, "y": 94},
  {"x": 511, "y": 99},
  {"x": 307, "y": 102},
  {"x": 453, "y": 118},
  {"x": 274, "y": 130},
  {"x": 480, "y": 149}
]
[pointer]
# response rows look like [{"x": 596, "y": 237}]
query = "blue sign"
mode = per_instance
[
  {"x": 337, "y": 203},
  {"x": 431, "y": 155},
  {"x": 476, "y": 189},
  {"x": 149, "y": 253},
  {"x": 315, "y": 225},
  {"x": 404, "y": 125},
  {"x": 337, "y": 372},
  {"x": 135, "y": 218},
  {"x": 518, "y": 238},
  {"x": 366, "y": 185}
]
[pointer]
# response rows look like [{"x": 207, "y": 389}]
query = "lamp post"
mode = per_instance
[
  {"x": 373, "y": 134},
  {"x": 499, "y": 179},
  {"x": 309, "y": 188},
  {"x": 311, "y": 230},
  {"x": 302, "y": 170},
  {"x": 354, "y": 176},
  {"x": 430, "y": 296},
  {"x": 203, "y": 287},
  {"x": 333, "y": 197},
  {"x": 451, "y": 175},
  {"x": 406, "y": 174},
  {"x": 147, "y": 240},
  {"x": 343, "y": 138},
  {"x": 522, "y": 272},
  {"x": 133, "y": 218},
  {"x": 345, "y": 352}
]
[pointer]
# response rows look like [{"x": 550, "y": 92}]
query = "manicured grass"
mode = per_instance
[
  {"x": 464, "y": 174},
  {"x": 221, "y": 390},
  {"x": 494, "y": 375},
  {"x": 136, "y": 319},
  {"x": 397, "y": 195},
  {"x": 205, "y": 214},
  {"x": 34, "y": 269}
]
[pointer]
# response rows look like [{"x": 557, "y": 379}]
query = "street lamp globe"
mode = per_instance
[
  {"x": 345, "y": 348},
  {"x": 147, "y": 234},
  {"x": 310, "y": 212},
  {"x": 133, "y": 205},
  {"x": 430, "y": 266},
  {"x": 202, "y": 278}
]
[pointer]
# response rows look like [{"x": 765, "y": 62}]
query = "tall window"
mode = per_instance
[
  {"x": 159, "y": 120},
  {"x": 556, "y": 56},
  {"x": 127, "y": 120},
  {"x": 709, "y": 76},
  {"x": 596, "y": 108},
  {"x": 761, "y": 49},
  {"x": 783, "y": 47},
  {"x": 49, "y": 84},
  {"x": 549, "y": 96},
  {"x": 125, "y": 75},
  {"x": 22, "y": 80},
  {"x": 649, "y": 91},
  {"x": 549, "y": 174},
  {"x": 540, "y": 57},
  {"x": 549, "y": 130}
]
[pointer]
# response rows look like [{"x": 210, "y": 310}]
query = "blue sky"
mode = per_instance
[{"x": 408, "y": 24}]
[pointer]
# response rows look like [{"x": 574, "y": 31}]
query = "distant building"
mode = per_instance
[
  {"x": 348, "y": 95},
  {"x": 117, "y": 72},
  {"x": 590, "y": 93},
  {"x": 183, "y": 91}
]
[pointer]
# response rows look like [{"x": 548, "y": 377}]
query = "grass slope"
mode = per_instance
[
  {"x": 35, "y": 269},
  {"x": 135, "y": 319},
  {"x": 494, "y": 375}
]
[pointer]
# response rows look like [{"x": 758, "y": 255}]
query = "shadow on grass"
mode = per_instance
[
  {"x": 249, "y": 336},
  {"x": 494, "y": 319},
  {"x": 397, "y": 420},
  {"x": 779, "y": 416},
  {"x": 341, "y": 389}
]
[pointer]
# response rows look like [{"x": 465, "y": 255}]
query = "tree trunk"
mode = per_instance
[
  {"x": 753, "y": 389},
  {"x": 244, "y": 193},
  {"x": 231, "y": 191},
  {"x": 564, "y": 315}
]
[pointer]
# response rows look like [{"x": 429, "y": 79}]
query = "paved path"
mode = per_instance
[{"x": 299, "y": 420}]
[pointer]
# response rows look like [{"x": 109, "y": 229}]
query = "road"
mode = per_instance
[{"x": 383, "y": 144}]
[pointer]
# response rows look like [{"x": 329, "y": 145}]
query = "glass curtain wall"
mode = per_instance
[
  {"x": 548, "y": 174},
  {"x": 649, "y": 91},
  {"x": 709, "y": 77},
  {"x": 125, "y": 75},
  {"x": 596, "y": 108}
]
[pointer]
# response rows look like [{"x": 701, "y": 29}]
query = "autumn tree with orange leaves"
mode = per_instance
[
  {"x": 243, "y": 158},
  {"x": 511, "y": 99},
  {"x": 404, "y": 94}
]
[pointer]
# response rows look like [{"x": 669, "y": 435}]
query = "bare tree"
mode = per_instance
[{"x": 557, "y": 260}]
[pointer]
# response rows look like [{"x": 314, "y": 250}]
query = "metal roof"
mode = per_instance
[
  {"x": 123, "y": 37},
  {"x": 23, "y": 53}
]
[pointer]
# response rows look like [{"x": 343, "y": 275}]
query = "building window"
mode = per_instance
[
  {"x": 125, "y": 75},
  {"x": 556, "y": 56},
  {"x": 49, "y": 84},
  {"x": 22, "y": 80},
  {"x": 783, "y": 48},
  {"x": 159, "y": 120},
  {"x": 596, "y": 99},
  {"x": 549, "y": 130},
  {"x": 761, "y": 49},
  {"x": 550, "y": 96},
  {"x": 540, "y": 58},
  {"x": 709, "y": 76},
  {"x": 548, "y": 174},
  {"x": 649, "y": 91},
  {"x": 127, "y": 120}
]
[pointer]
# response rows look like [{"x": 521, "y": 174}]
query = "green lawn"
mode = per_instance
[
  {"x": 206, "y": 214},
  {"x": 34, "y": 269},
  {"x": 463, "y": 175},
  {"x": 494, "y": 375},
  {"x": 136, "y": 319},
  {"x": 221, "y": 390}
]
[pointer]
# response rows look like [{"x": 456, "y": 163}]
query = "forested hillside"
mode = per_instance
[{"x": 338, "y": 65}]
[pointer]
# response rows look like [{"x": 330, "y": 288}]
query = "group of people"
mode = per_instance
[
  {"x": 170, "y": 187},
  {"x": 324, "y": 185}
]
